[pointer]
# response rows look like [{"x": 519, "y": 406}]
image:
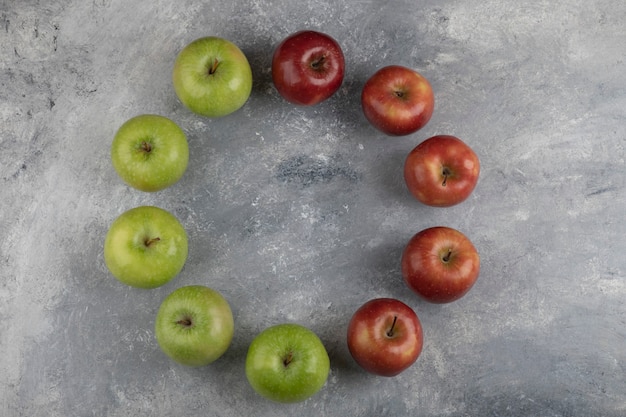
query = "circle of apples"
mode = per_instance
[{"x": 213, "y": 78}]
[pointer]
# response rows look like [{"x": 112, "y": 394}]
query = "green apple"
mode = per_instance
[
  {"x": 150, "y": 152},
  {"x": 194, "y": 325},
  {"x": 287, "y": 363},
  {"x": 212, "y": 77},
  {"x": 145, "y": 247}
]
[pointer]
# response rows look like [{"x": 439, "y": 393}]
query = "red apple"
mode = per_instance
[
  {"x": 441, "y": 171},
  {"x": 385, "y": 336},
  {"x": 307, "y": 67},
  {"x": 397, "y": 100},
  {"x": 440, "y": 264}
]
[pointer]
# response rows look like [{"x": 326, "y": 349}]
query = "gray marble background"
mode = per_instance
[{"x": 301, "y": 214}]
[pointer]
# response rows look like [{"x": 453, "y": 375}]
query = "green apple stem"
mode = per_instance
[
  {"x": 393, "y": 325},
  {"x": 150, "y": 241},
  {"x": 185, "y": 322},
  {"x": 146, "y": 146},
  {"x": 214, "y": 66},
  {"x": 288, "y": 359}
]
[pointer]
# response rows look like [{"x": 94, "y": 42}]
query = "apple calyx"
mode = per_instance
[{"x": 393, "y": 325}]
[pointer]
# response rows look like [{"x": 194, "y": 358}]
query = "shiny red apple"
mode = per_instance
[
  {"x": 385, "y": 336},
  {"x": 441, "y": 171},
  {"x": 308, "y": 67},
  {"x": 397, "y": 100},
  {"x": 440, "y": 264}
]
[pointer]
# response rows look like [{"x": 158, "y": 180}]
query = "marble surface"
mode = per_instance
[{"x": 301, "y": 214}]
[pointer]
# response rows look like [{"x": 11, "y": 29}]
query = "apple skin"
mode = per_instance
[
  {"x": 145, "y": 247},
  {"x": 212, "y": 77},
  {"x": 441, "y": 171},
  {"x": 272, "y": 377},
  {"x": 308, "y": 67},
  {"x": 385, "y": 336},
  {"x": 397, "y": 100},
  {"x": 150, "y": 152},
  {"x": 194, "y": 325},
  {"x": 440, "y": 264}
]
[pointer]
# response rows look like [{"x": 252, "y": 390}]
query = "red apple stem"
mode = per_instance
[
  {"x": 393, "y": 325},
  {"x": 447, "y": 256},
  {"x": 318, "y": 62},
  {"x": 446, "y": 174}
]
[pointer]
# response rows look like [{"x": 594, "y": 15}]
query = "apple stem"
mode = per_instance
[
  {"x": 318, "y": 62},
  {"x": 146, "y": 146},
  {"x": 288, "y": 359},
  {"x": 446, "y": 174},
  {"x": 446, "y": 258},
  {"x": 390, "y": 331},
  {"x": 213, "y": 67},
  {"x": 185, "y": 322},
  {"x": 149, "y": 241}
]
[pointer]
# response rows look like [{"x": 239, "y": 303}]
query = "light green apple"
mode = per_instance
[
  {"x": 212, "y": 77},
  {"x": 150, "y": 152},
  {"x": 145, "y": 247},
  {"x": 287, "y": 363},
  {"x": 194, "y": 325}
]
